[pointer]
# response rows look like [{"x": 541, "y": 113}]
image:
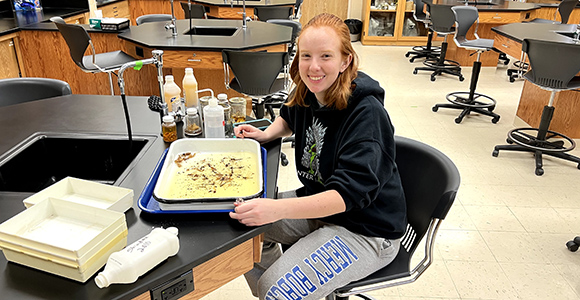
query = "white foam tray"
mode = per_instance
[
  {"x": 62, "y": 228},
  {"x": 86, "y": 192},
  {"x": 206, "y": 146}
]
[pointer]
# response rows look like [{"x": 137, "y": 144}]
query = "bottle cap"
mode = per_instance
[
  {"x": 192, "y": 111},
  {"x": 213, "y": 102},
  {"x": 168, "y": 119},
  {"x": 172, "y": 230},
  {"x": 222, "y": 97},
  {"x": 168, "y": 77},
  {"x": 188, "y": 70}
]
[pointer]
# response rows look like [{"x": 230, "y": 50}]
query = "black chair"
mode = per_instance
[
  {"x": 467, "y": 102},
  {"x": 197, "y": 11},
  {"x": 553, "y": 67},
  {"x": 78, "y": 41},
  {"x": 25, "y": 89},
  {"x": 152, "y": 18},
  {"x": 265, "y": 13},
  {"x": 430, "y": 181},
  {"x": 428, "y": 51},
  {"x": 256, "y": 75},
  {"x": 565, "y": 8},
  {"x": 442, "y": 20},
  {"x": 296, "y": 28},
  {"x": 297, "y": 12}
]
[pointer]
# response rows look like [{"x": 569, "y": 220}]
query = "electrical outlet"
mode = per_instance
[{"x": 175, "y": 288}]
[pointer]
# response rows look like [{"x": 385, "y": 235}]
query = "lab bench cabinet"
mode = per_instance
[{"x": 391, "y": 22}]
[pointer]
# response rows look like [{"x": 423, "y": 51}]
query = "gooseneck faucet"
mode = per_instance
[
  {"x": 172, "y": 26},
  {"x": 244, "y": 21}
]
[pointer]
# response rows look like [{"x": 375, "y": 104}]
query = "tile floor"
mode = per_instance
[{"x": 505, "y": 235}]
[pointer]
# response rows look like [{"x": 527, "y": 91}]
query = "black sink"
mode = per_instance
[
  {"x": 45, "y": 158},
  {"x": 206, "y": 30}
]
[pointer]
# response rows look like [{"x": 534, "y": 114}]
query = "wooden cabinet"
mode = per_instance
[
  {"x": 391, "y": 22},
  {"x": 116, "y": 10},
  {"x": 9, "y": 54}
]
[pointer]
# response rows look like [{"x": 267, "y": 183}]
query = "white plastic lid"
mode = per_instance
[
  {"x": 168, "y": 77},
  {"x": 168, "y": 119},
  {"x": 222, "y": 97},
  {"x": 172, "y": 230},
  {"x": 213, "y": 102},
  {"x": 192, "y": 111},
  {"x": 188, "y": 70}
]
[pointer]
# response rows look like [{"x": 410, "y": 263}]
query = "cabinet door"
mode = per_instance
[
  {"x": 408, "y": 27},
  {"x": 9, "y": 67},
  {"x": 382, "y": 19}
]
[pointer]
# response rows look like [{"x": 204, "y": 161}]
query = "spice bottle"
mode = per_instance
[
  {"x": 238, "y": 109},
  {"x": 192, "y": 122},
  {"x": 169, "y": 129}
]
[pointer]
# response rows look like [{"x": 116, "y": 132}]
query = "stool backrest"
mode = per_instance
[
  {"x": 465, "y": 17},
  {"x": 442, "y": 18},
  {"x": 77, "y": 39},
  {"x": 565, "y": 8},
  {"x": 265, "y": 13},
  {"x": 419, "y": 13},
  {"x": 255, "y": 72},
  {"x": 152, "y": 18},
  {"x": 197, "y": 11},
  {"x": 25, "y": 89},
  {"x": 552, "y": 65}
]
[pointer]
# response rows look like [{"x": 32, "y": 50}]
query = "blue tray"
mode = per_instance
[{"x": 147, "y": 203}]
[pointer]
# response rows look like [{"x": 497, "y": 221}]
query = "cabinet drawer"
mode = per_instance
[
  {"x": 499, "y": 17},
  {"x": 192, "y": 59},
  {"x": 508, "y": 46}
]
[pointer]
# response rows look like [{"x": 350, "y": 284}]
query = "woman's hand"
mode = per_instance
[
  {"x": 258, "y": 212},
  {"x": 249, "y": 131}
]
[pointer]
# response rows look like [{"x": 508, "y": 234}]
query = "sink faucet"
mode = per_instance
[
  {"x": 244, "y": 21},
  {"x": 172, "y": 26}
]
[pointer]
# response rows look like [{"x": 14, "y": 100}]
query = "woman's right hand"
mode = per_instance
[{"x": 249, "y": 131}]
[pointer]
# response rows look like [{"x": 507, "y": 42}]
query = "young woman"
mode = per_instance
[{"x": 347, "y": 219}]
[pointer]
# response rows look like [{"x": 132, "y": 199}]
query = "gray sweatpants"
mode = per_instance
[{"x": 322, "y": 258}]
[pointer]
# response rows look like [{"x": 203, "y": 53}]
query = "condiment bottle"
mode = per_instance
[
  {"x": 192, "y": 122},
  {"x": 127, "y": 265},
  {"x": 172, "y": 93},
  {"x": 169, "y": 129},
  {"x": 189, "y": 88},
  {"x": 214, "y": 120}
]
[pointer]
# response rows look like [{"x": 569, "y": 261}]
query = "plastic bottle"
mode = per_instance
[
  {"x": 169, "y": 129},
  {"x": 189, "y": 88},
  {"x": 213, "y": 120},
  {"x": 127, "y": 265},
  {"x": 223, "y": 102},
  {"x": 172, "y": 93},
  {"x": 192, "y": 122}
]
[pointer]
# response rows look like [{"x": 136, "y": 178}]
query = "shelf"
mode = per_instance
[{"x": 383, "y": 10}]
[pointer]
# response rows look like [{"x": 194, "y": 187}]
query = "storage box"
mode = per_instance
[
  {"x": 212, "y": 149},
  {"x": 114, "y": 24},
  {"x": 62, "y": 237},
  {"x": 86, "y": 192}
]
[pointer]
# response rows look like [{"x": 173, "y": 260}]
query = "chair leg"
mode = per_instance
[{"x": 441, "y": 65}]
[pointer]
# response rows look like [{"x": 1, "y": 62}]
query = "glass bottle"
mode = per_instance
[
  {"x": 223, "y": 102},
  {"x": 192, "y": 122},
  {"x": 169, "y": 129},
  {"x": 238, "y": 109}
]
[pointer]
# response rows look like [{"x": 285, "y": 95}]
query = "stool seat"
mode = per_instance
[{"x": 477, "y": 44}]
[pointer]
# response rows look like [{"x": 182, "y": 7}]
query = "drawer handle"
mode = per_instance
[
  {"x": 191, "y": 59},
  {"x": 505, "y": 46},
  {"x": 496, "y": 18}
]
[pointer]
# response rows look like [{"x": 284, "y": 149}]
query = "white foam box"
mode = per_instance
[
  {"x": 55, "y": 235},
  {"x": 86, "y": 192}
]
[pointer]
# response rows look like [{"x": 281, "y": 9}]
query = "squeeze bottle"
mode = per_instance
[
  {"x": 172, "y": 93},
  {"x": 213, "y": 120},
  {"x": 189, "y": 88},
  {"x": 127, "y": 265}
]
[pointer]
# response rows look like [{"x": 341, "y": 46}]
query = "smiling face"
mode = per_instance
[{"x": 320, "y": 59}]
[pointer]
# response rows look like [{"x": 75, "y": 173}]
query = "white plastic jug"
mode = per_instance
[
  {"x": 213, "y": 120},
  {"x": 127, "y": 265}
]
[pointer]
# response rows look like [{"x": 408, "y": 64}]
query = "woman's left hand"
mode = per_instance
[{"x": 257, "y": 212}]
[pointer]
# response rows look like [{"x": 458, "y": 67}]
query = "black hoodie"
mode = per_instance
[{"x": 351, "y": 151}]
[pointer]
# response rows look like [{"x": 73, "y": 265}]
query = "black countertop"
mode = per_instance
[
  {"x": 539, "y": 31},
  {"x": 257, "y": 34},
  {"x": 249, "y": 3},
  {"x": 201, "y": 236},
  {"x": 488, "y": 5},
  {"x": 23, "y": 19}
]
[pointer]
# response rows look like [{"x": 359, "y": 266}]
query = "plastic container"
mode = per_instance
[
  {"x": 213, "y": 123},
  {"x": 238, "y": 109},
  {"x": 223, "y": 102},
  {"x": 189, "y": 85},
  {"x": 192, "y": 123},
  {"x": 127, "y": 265},
  {"x": 86, "y": 192},
  {"x": 172, "y": 93},
  {"x": 203, "y": 102},
  {"x": 169, "y": 129}
]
